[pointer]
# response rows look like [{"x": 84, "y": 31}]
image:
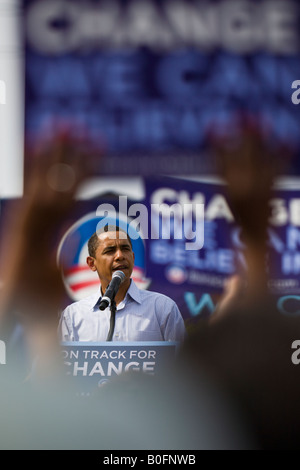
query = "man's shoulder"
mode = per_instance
[
  {"x": 156, "y": 296},
  {"x": 85, "y": 303}
]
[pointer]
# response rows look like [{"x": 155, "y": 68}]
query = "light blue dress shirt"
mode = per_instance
[{"x": 141, "y": 316}]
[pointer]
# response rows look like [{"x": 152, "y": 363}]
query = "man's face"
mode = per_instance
[{"x": 113, "y": 253}]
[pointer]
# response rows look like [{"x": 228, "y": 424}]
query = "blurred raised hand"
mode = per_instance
[
  {"x": 249, "y": 162},
  {"x": 32, "y": 289},
  {"x": 245, "y": 347}
]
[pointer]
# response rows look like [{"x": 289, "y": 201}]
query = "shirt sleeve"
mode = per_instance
[
  {"x": 174, "y": 327},
  {"x": 65, "y": 329}
]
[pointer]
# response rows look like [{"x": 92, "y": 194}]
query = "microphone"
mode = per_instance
[{"x": 117, "y": 278}]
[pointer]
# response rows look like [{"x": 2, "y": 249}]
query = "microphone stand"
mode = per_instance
[{"x": 113, "y": 308}]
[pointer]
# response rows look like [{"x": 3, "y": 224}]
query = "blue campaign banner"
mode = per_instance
[
  {"x": 284, "y": 242},
  {"x": 194, "y": 297},
  {"x": 195, "y": 278},
  {"x": 177, "y": 258},
  {"x": 150, "y": 80},
  {"x": 92, "y": 365}
]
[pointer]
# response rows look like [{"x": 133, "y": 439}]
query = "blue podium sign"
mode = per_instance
[{"x": 94, "y": 364}]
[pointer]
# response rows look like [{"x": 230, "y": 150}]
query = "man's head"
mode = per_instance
[
  {"x": 112, "y": 231},
  {"x": 110, "y": 250}
]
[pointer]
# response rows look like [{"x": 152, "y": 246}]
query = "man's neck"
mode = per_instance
[{"x": 121, "y": 292}]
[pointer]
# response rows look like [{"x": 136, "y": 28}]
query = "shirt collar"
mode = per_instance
[
  {"x": 133, "y": 292},
  {"x": 95, "y": 301}
]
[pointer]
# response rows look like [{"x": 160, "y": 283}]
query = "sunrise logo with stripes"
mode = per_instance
[{"x": 78, "y": 279}]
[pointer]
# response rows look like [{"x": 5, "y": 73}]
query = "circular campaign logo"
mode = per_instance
[
  {"x": 78, "y": 279},
  {"x": 175, "y": 274}
]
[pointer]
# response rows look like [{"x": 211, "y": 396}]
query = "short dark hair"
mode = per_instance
[{"x": 93, "y": 242}]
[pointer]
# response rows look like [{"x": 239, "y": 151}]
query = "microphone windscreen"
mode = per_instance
[{"x": 119, "y": 274}]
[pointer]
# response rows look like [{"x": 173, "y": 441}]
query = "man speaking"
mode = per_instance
[{"x": 119, "y": 311}]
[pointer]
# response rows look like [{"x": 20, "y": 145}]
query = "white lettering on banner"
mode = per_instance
[
  {"x": 94, "y": 354},
  {"x": 205, "y": 303},
  {"x": 284, "y": 212},
  {"x": 160, "y": 197},
  {"x": 216, "y": 208},
  {"x": 107, "y": 354},
  {"x": 177, "y": 209},
  {"x": 142, "y": 354},
  {"x": 2, "y": 92},
  {"x": 86, "y": 369},
  {"x": 279, "y": 214},
  {"x": 238, "y": 26},
  {"x": 290, "y": 263},
  {"x": 293, "y": 238}
]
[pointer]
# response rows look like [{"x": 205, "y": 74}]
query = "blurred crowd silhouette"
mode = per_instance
[{"x": 233, "y": 384}]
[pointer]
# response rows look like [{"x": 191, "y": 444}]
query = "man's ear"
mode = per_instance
[{"x": 91, "y": 263}]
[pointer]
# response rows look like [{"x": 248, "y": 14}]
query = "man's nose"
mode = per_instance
[{"x": 119, "y": 254}]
